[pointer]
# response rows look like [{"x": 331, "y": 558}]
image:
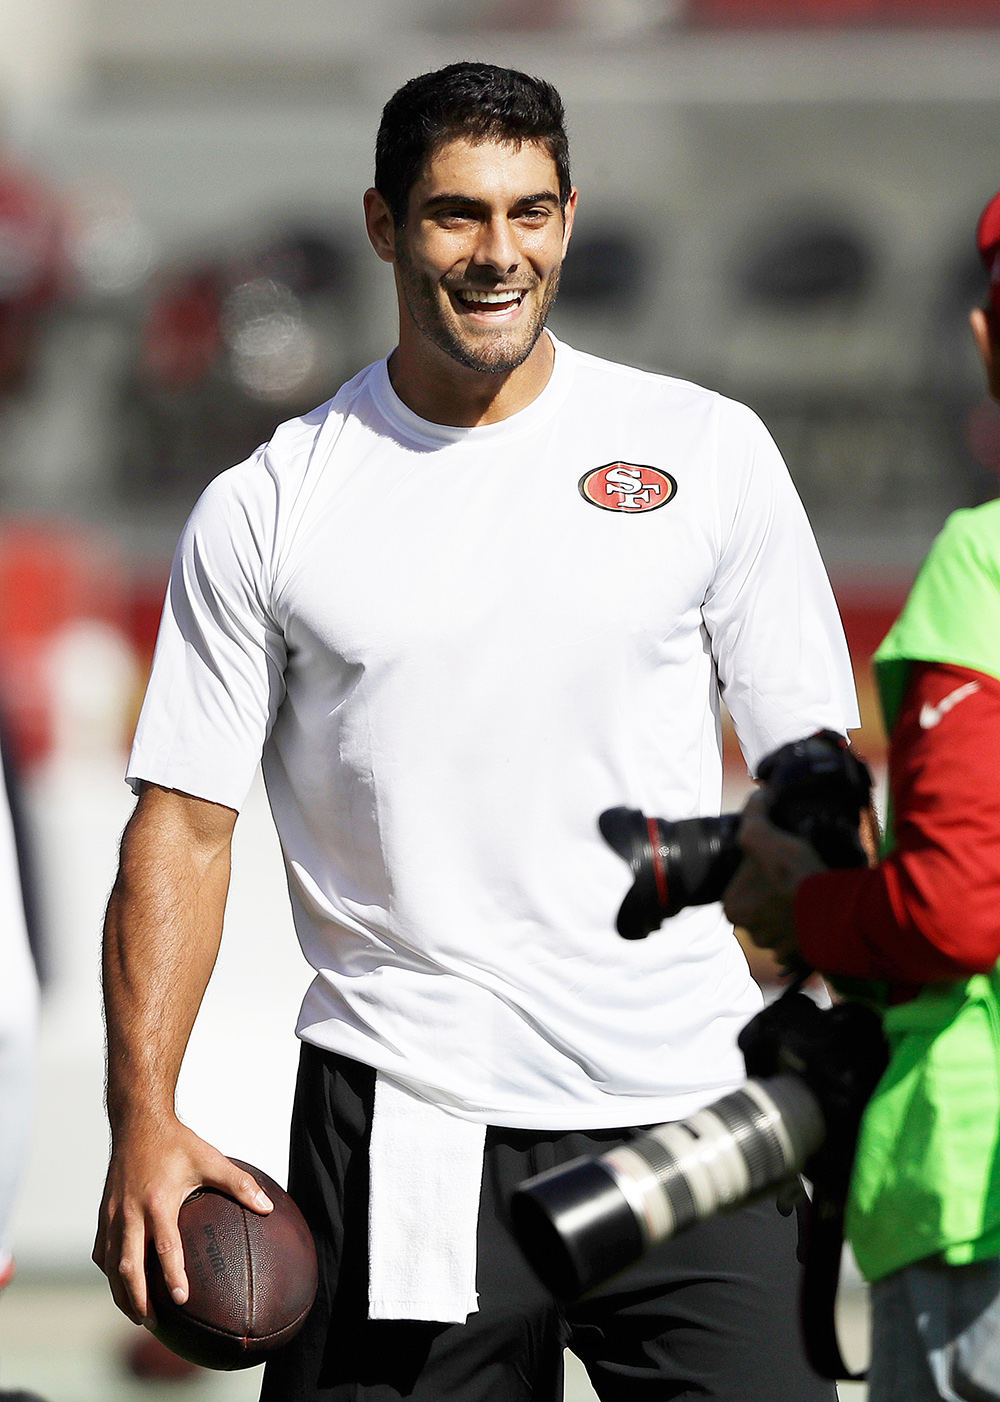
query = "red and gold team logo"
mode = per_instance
[{"x": 626, "y": 486}]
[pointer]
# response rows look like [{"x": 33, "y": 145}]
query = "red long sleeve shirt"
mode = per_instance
[{"x": 930, "y": 911}]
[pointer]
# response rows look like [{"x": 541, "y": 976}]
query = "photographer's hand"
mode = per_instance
[{"x": 761, "y": 896}]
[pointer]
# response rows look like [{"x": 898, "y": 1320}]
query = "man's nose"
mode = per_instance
[{"x": 497, "y": 248}]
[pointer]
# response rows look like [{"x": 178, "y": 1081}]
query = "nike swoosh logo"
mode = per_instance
[{"x": 931, "y": 716}]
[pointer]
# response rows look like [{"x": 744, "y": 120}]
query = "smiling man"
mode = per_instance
[
  {"x": 493, "y": 587},
  {"x": 478, "y": 259},
  {"x": 476, "y": 251}
]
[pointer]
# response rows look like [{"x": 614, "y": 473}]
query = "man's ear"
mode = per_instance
[
  {"x": 381, "y": 226},
  {"x": 983, "y": 330},
  {"x": 569, "y": 214}
]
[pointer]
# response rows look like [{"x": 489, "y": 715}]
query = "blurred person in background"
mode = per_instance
[
  {"x": 492, "y": 587},
  {"x": 18, "y": 1033},
  {"x": 18, "y": 1041},
  {"x": 919, "y": 934},
  {"x": 32, "y": 272}
]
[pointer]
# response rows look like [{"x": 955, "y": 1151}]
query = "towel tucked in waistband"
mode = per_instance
[{"x": 426, "y": 1176}]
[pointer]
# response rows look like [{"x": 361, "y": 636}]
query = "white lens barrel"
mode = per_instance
[
  {"x": 584, "y": 1221},
  {"x": 749, "y": 1140}
]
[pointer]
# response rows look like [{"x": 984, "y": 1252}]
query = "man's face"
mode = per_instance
[{"x": 478, "y": 259}]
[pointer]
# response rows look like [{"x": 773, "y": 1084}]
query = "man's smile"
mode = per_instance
[{"x": 492, "y": 305}]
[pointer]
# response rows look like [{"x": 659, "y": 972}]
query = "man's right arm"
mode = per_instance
[{"x": 162, "y": 935}]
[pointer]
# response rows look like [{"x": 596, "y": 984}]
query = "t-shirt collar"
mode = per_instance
[{"x": 409, "y": 425}]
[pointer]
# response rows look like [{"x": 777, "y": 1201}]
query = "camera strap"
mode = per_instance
[
  {"x": 840, "y": 1053},
  {"x": 824, "y": 1244}
]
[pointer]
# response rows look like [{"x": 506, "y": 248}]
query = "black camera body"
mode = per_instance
[{"x": 816, "y": 788}]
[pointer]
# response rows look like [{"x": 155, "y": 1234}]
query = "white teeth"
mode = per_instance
[{"x": 491, "y": 296}]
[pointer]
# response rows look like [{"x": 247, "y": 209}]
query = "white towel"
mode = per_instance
[{"x": 426, "y": 1174}]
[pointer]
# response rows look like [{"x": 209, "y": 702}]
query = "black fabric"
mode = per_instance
[
  {"x": 820, "y": 1282},
  {"x": 709, "y": 1315}
]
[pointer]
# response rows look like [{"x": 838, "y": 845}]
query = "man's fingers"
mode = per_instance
[
  {"x": 761, "y": 895},
  {"x": 753, "y": 822},
  {"x": 171, "y": 1256},
  {"x": 243, "y": 1187},
  {"x": 778, "y": 855},
  {"x": 128, "y": 1274},
  {"x": 122, "y": 1298},
  {"x": 738, "y": 897},
  {"x": 148, "y": 1182},
  {"x": 107, "y": 1256},
  {"x": 758, "y": 837},
  {"x": 121, "y": 1249}
]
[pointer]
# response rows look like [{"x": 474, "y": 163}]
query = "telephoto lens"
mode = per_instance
[{"x": 586, "y": 1220}]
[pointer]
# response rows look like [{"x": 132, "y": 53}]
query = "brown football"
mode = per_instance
[{"x": 252, "y": 1278}]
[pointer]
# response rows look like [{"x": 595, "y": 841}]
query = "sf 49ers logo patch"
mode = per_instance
[{"x": 627, "y": 486}]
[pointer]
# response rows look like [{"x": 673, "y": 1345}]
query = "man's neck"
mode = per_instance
[{"x": 441, "y": 391}]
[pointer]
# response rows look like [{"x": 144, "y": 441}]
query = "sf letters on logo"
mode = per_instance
[{"x": 626, "y": 486}]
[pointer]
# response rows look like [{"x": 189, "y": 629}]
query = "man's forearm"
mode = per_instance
[
  {"x": 162, "y": 936},
  {"x": 161, "y": 940}
]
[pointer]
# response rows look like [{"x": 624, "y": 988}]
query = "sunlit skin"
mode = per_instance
[
  {"x": 979, "y": 320},
  {"x": 483, "y": 218}
]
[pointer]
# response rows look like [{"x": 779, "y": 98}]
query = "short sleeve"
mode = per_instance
[
  {"x": 218, "y": 670},
  {"x": 775, "y": 630}
]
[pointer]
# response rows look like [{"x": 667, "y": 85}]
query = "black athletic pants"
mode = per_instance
[{"x": 709, "y": 1315}]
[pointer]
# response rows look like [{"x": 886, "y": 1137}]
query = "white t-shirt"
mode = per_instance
[{"x": 454, "y": 648}]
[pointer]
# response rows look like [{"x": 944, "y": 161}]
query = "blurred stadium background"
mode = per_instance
[{"x": 777, "y": 200}]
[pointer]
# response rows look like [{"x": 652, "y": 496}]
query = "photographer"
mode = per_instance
[{"x": 919, "y": 935}]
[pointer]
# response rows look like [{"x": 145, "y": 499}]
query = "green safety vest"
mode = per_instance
[{"x": 927, "y": 1171}]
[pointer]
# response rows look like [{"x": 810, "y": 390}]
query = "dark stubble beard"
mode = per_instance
[{"x": 499, "y": 354}]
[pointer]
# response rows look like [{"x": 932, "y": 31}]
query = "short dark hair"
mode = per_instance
[{"x": 476, "y": 100}]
